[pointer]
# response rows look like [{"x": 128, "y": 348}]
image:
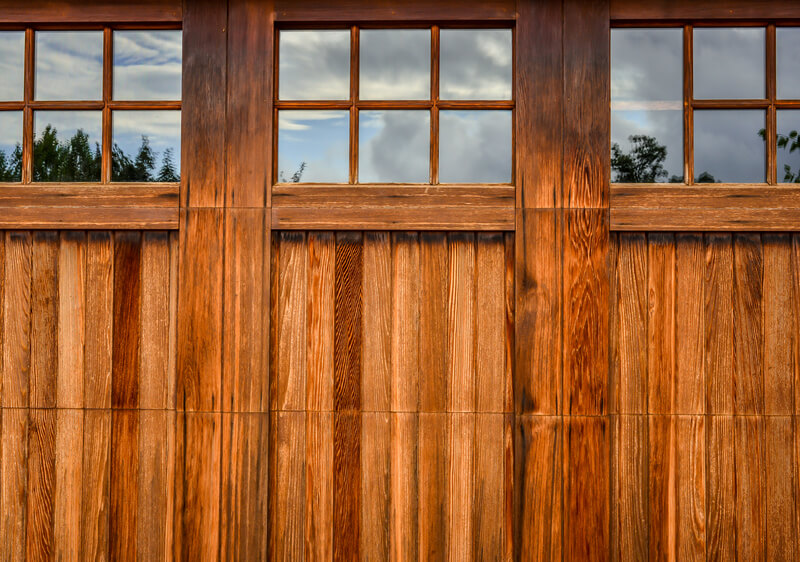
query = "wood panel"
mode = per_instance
[{"x": 103, "y": 11}]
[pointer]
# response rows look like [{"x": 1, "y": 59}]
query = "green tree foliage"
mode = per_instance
[
  {"x": 790, "y": 142},
  {"x": 75, "y": 160},
  {"x": 643, "y": 164},
  {"x": 296, "y": 177}
]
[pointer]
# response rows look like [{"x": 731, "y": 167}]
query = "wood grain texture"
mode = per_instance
[
  {"x": 66, "y": 11},
  {"x": 382, "y": 10},
  {"x": 683, "y": 9},
  {"x": 377, "y": 323},
  {"x": 71, "y": 314},
  {"x": 750, "y": 460},
  {"x": 68, "y": 479},
  {"x": 44, "y": 319},
  {"x": 719, "y": 324},
  {"x": 375, "y": 482},
  {"x": 347, "y": 322},
  {"x": 124, "y": 485},
  {"x": 347, "y": 483},
  {"x": 661, "y": 324},
  {"x": 780, "y": 336},
  {"x": 41, "y": 485},
  {"x": 319, "y": 491},
  {"x": 95, "y": 490},
  {"x": 405, "y": 322},
  {"x": 432, "y": 459},
  {"x": 127, "y": 328},
  {"x": 748, "y": 324},
  {"x": 320, "y": 314},
  {"x": 434, "y": 263},
  {"x": 98, "y": 352},
  {"x": 630, "y": 507},
  {"x": 154, "y": 482},
  {"x": 781, "y": 489},
  {"x": 673, "y": 219},
  {"x": 720, "y": 489},
  {"x": 89, "y": 218},
  {"x": 490, "y": 361},
  {"x": 154, "y": 316},
  {"x": 689, "y": 324},
  {"x": 14, "y": 486},
  {"x": 17, "y": 319},
  {"x": 404, "y": 486},
  {"x": 461, "y": 315}
]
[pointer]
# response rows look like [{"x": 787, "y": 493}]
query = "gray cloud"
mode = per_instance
[
  {"x": 475, "y": 146},
  {"x": 10, "y": 130},
  {"x": 788, "y": 121},
  {"x": 395, "y": 64},
  {"x": 69, "y": 65},
  {"x": 727, "y": 145},
  {"x": 394, "y": 146},
  {"x": 314, "y": 65},
  {"x": 665, "y": 125},
  {"x": 12, "y": 58},
  {"x": 646, "y": 64},
  {"x": 475, "y": 64},
  {"x": 788, "y": 48},
  {"x": 147, "y": 65},
  {"x": 729, "y": 62}
]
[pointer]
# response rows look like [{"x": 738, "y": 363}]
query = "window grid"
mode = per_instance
[
  {"x": 106, "y": 104},
  {"x": 354, "y": 104}
]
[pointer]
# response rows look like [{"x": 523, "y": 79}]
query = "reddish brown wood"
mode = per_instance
[
  {"x": 44, "y": 320},
  {"x": 346, "y": 483},
  {"x": 630, "y": 10},
  {"x": 124, "y": 484},
  {"x": 127, "y": 329},
  {"x": 384, "y": 10}
]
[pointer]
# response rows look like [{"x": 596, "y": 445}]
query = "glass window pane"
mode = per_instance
[
  {"x": 394, "y": 146},
  {"x": 313, "y": 146},
  {"x": 10, "y": 146},
  {"x": 475, "y": 64},
  {"x": 789, "y": 146},
  {"x": 66, "y": 146},
  {"x": 314, "y": 65},
  {"x": 647, "y": 146},
  {"x": 12, "y": 65},
  {"x": 729, "y": 146},
  {"x": 647, "y": 65},
  {"x": 395, "y": 64},
  {"x": 729, "y": 63},
  {"x": 475, "y": 146},
  {"x": 788, "y": 49},
  {"x": 146, "y": 146},
  {"x": 147, "y": 65},
  {"x": 69, "y": 65}
]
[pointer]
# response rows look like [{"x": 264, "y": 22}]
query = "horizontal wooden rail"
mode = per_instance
[
  {"x": 685, "y": 10},
  {"x": 82, "y": 12},
  {"x": 731, "y": 207},
  {"x": 148, "y": 206}
]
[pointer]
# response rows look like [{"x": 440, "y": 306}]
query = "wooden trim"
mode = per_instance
[
  {"x": 90, "y": 195},
  {"x": 393, "y": 218},
  {"x": 636, "y": 10},
  {"x": 389, "y": 10},
  {"x": 721, "y": 207},
  {"x": 393, "y": 196},
  {"x": 88, "y": 218},
  {"x": 80, "y": 11}
]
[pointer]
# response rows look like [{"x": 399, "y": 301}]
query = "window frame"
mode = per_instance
[
  {"x": 106, "y": 104},
  {"x": 354, "y": 105}
]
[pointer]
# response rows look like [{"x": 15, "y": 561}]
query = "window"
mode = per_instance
[
  {"x": 90, "y": 105},
  {"x": 394, "y": 106},
  {"x": 700, "y": 105}
]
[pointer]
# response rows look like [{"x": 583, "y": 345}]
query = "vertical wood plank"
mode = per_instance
[
  {"x": 319, "y": 489},
  {"x": 748, "y": 324},
  {"x": 199, "y": 513},
  {"x": 689, "y": 325},
  {"x": 291, "y": 301},
  {"x": 127, "y": 328},
  {"x": 490, "y": 384},
  {"x": 720, "y": 490},
  {"x": 71, "y": 326},
  {"x": 796, "y": 325},
  {"x": 404, "y": 486},
  {"x": 538, "y": 315},
  {"x": 153, "y": 485},
  {"x": 751, "y": 466},
  {"x": 41, "y": 483},
  {"x": 377, "y": 336},
  {"x": 99, "y": 319},
  {"x": 14, "y": 482},
  {"x": 630, "y": 529},
  {"x": 289, "y": 488},
  {"x": 95, "y": 501},
  {"x": 586, "y": 290},
  {"x": 44, "y": 319},
  {"x": 68, "y": 478},
  {"x": 661, "y": 324},
  {"x": 461, "y": 316},
  {"x": 539, "y": 488},
  {"x": 781, "y": 489},
  {"x": 434, "y": 264},
  {"x": 248, "y": 120},
  {"x": 154, "y": 318},
  {"x": 245, "y": 363},
  {"x": 203, "y": 148},
  {"x": 510, "y": 296},
  {"x": 243, "y": 526},
  {"x": 432, "y": 466},
  {"x": 17, "y": 319},
  {"x": 586, "y": 121},
  {"x": 460, "y": 485},
  {"x": 200, "y": 306},
  {"x": 539, "y": 95},
  {"x": 347, "y": 321},
  {"x": 319, "y": 318},
  {"x": 691, "y": 488},
  {"x": 662, "y": 500},
  {"x": 633, "y": 310},
  {"x": 586, "y": 485},
  {"x": 172, "y": 361},
  {"x": 375, "y": 471},
  {"x": 405, "y": 322},
  {"x": 779, "y": 328},
  {"x": 124, "y": 485},
  {"x": 346, "y": 483},
  {"x": 719, "y": 323},
  {"x": 488, "y": 488}
]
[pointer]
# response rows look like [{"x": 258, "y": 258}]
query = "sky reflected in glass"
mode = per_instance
[
  {"x": 395, "y": 64},
  {"x": 475, "y": 146},
  {"x": 728, "y": 146},
  {"x": 314, "y": 65},
  {"x": 475, "y": 64},
  {"x": 10, "y": 139},
  {"x": 12, "y": 65},
  {"x": 162, "y": 129},
  {"x": 69, "y": 65},
  {"x": 653, "y": 139},
  {"x": 313, "y": 146},
  {"x": 647, "y": 65},
  {"x": 63, "y": 127},
  {"x": 394, "y": 146},
  {"x": 789, "y": 146},
  {"x": 788, "y": 59},
  {"x": 147, "y": 65},
  {"x": 729, "y": 63}
]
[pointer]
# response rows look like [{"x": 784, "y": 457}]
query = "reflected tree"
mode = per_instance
[
  {"x": 645, "y": 163},
  {"x": 296, "y": 177},
  {"x": 790, "y": 142}
]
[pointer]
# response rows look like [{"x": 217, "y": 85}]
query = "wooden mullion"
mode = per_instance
[
  {"x": 771, "y": 125},
  {"x": 435, "y": 50},
  {"x": 354, "y": 79},
  {"x": 27, "y": 116},
  {"x": 731, "y": 104},
  {"x": 688, "y": 112},
  {"x": 108, "y": 62},
  {"x": 144, "y": 105}
]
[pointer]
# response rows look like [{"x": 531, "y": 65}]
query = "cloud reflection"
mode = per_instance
[
  {"x": 475, "y": 146},
  {"x": 395, "y": 64},
  {"x": 12, "y": 58},
  {"x": 147, "y": 65},
  {"x": 314, "y": 65},
  {"x": 475, "y": 64},
  {"x": 318, "y": 139},
  {"x": 69, "y": 65},
  {"x": 394, "y": 146}
]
